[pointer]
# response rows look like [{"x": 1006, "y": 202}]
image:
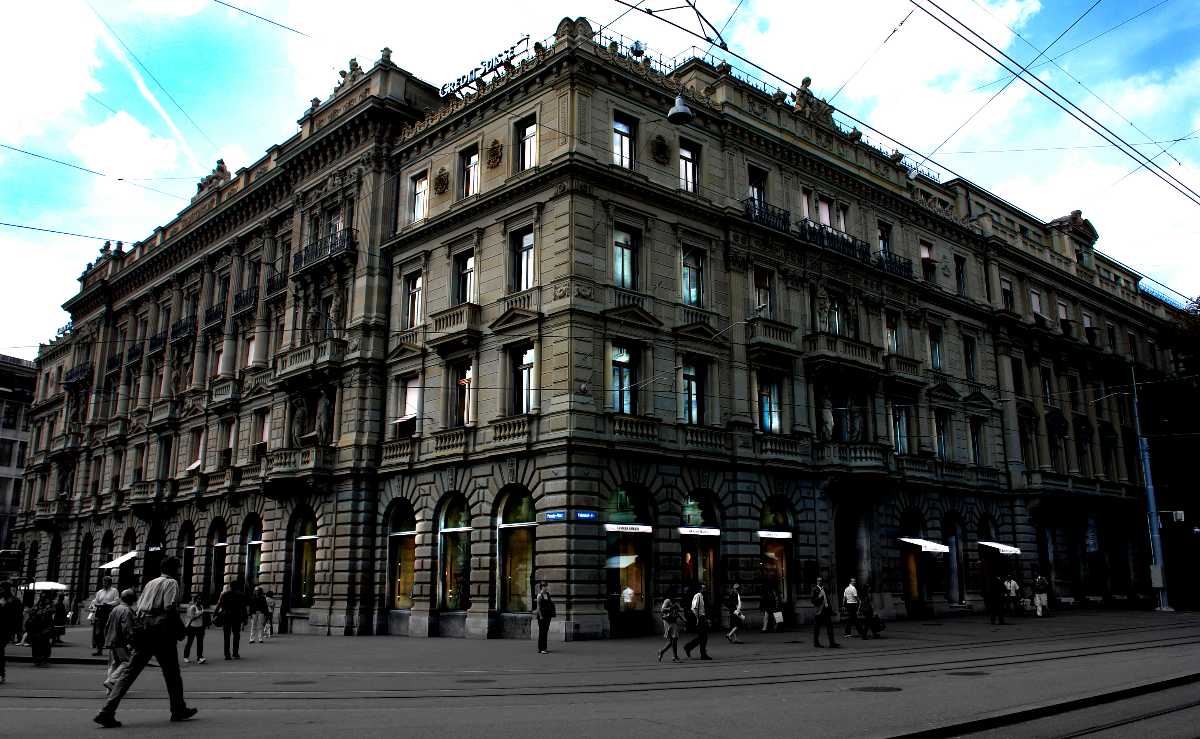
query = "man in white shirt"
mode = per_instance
[
  {"x": 850, "y": 606},
  {"x": 107, "y": 598},
  {"x": 156, "y": 608},
  {"x": 701, "y": 614},
  {"x": 1014, "y": 594}
]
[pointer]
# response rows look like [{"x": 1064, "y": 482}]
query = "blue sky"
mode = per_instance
[{"x": 74, "y": 95}]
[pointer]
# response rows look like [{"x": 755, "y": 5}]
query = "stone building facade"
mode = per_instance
[
  {"x": 429, "y": 350},
  {"x": 16, "y": 394}
]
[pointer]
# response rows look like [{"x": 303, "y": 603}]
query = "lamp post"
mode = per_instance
[{"x": 1156, "y": 551}]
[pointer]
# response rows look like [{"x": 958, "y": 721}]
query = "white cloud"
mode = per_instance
[{"x": 123, "y": 147}]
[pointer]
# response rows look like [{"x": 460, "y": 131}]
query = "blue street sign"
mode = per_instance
[
  {"x": 585, "y": 515},
  {"x": 556, "y": 515}
]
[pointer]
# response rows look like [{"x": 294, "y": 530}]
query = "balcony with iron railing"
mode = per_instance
[
  {"x": 276, "y": 283},
  {"x": 79, "y": 373},
  {"x": 113, "y": 363},
  {"x": 323, "y": 248},
  {"x": 895, "y": 265},
  {"x": 158, "y": 341},
  {"x": 831, "y": 239},
  {"x": 214, "y": 315},
  {"x": 842, "y": 350},
  {"x": 245, "y": 300},
  {"x": 184, "y": 328},
  {"x": 765, "y": 214},
  {"x": 134, "y": 354}
]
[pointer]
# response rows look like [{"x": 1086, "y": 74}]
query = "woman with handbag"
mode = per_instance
[
  {"x": 197, "y": 622},
  {"x": 734, "y": 604},
  {"x": 671, "y": 618}
]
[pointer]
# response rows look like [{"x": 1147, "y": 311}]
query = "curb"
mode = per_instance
[
  {"x": 61, "y": 660},
  {"x": 1045, "y": 710}
]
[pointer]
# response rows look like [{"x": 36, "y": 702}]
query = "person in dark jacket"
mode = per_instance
[
  {"x": 545, "y": 611},
  {"x": 10, "y": 621},
  {"x": 60, "y": 619},
  {"x": 769, "y": 604},
  {"x": 259, "y": 613},
  {"x": 822, "y": 614},
  {"x": 41, "y": 630},
  {"x": 994, "y": 599},
  {"x": 231, "y": 608}
]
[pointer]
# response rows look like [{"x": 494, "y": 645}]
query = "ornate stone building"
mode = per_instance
[{"x": 429, "y": 350}]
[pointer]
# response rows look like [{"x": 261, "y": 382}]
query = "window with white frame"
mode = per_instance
[
  {"x": 892, "y": 331},
  {"x": 693, "y": 276},
  {"x": 764, "y": 293},
  {"x": 825, "y": 211},
  {"x": 521, "y": 360},
  {"x": 977, "y": 448},
  {"x": 935, "y": 347},
  {"x": 419, "y": 206},
  {"x": 941, "y": 432},
  {"x": 1035, "y": 302},
  {"x": 521, "y": 246},
  {"x": 693, "y": 393},
  {"x": 806, "y": 196},
  {"x": 689, "y": 155},
  {"x": 468, "y": 166},
  {"x": 527, "y": 144},
  {"x": 461, "y": 377},
  {"x": 900, "y": 428},
  {"x": 769, "y": 411},
  {"x": 884, "y": 232},
  {"x": 414, "y": 287},
  {"x": 625, "y": 257},
  {"x": 464, "y": 277},
  {"x": 623, "y": 137}
]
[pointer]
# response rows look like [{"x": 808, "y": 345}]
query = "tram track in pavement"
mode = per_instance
[{"x": 661, "y": 680}]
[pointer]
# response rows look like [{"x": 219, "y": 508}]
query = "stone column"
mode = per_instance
[
  {"x": 147, "y": 371},
  {"x": 99, "y": 360},
  {"x": 993, "y": 278},
  {"x": 1068, "y": 407},
  {"x": 200, "y": 358},
  {"x": 801, "y": 401},
  {"x": 881, "y": 422},
  {"x": 1094, "y": 431},
  {"x": 740, "y": 381},
  {"x": 1039, "y": 407},
  {"x": 1114, "y": 414},
  {"x": 262, "y": 326},
  {"x": 165, "y": 391},
  {"x": 1008, "y": 410},
  {"x": 229, "y": 348}
]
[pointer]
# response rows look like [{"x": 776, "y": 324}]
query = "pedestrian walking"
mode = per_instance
[
  {"x": 195, "y": 625},
  {"x": 231, "y": 614},
  {"x": 700, "y": 614},
  {"x": 1013, "y": 591},
  {"x": 850, "y": 608},
  {"x": 40, "y": 630},
  {"x": 993, "y": 600},
  {"x": 768, "y": 605},
  {"x": 258, "y": 615},
  {"x": 670, "y": 618},
  {"x": 544, "y": 610},
  {"x": 869, "y": 623},
  {"x": 118, "y": 638},
  {"x": 156, "y": 630},
  {"x": 734, "y": 605},
  {"x": 9, "y": 622},
  {"x": 270, "y": 614},
  {"x": 822, "y": 614},
  {"x": 12, "y": 616},
  {"x": 107, "y": 598},
  {"x": 1041, "y": 595},
  {"x": 60, "y": 619}
]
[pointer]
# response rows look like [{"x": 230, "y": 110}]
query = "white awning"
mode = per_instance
[
  {"x": 118, "y": 561},
  {"x": 926, "y": 545},
  {"x": 1003, "y": 548},
  {"x": 193, "y": 466},
  {"x": 620, "y": 561}
]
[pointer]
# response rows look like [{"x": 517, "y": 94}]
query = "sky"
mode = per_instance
[{"x": 149, "y": 93}]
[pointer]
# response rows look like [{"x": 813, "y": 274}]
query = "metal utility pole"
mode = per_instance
[{"x": 1157, "y": 579}]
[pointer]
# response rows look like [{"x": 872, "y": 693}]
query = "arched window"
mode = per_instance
[
  {"x": 55, "y": 558},
  {"x": 775, "y": 547},
  {"x": 629, "y": 534},
  {"x": 83, "y": 585},
  {"x": 215, "y": 554},
  {"x": 304, "y": 560},
  {"x": 454, "y": 544},
  {"x": 187, "y": 559},
  {"x": 252, "y": 534},
  {"x": 402, "y": 550},
  {"x": 517, "y": 529}
]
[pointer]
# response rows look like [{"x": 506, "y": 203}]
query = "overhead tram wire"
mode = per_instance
[
  {"x": 1095, "y": 126},
  {"x": 725, "y": 25},
  {"x": 1190, "y": 136},
  {"x": 1000, "y": 92},
  {"x": 1136, "y": 169},
  {"x": 156, "y": 80},
  {"x": 261, "y": 18},
  {"x": 1079, "y": 46},
  {"x": 122, "y": 180},
  {"x": 794, "y": 86},
  {"x": 869, "y": 58},
  {"x": 1077, "y": 81},
  {"x": 63, "y": 233}
]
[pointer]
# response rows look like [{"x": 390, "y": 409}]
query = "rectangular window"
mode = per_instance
[
  {"x": 464, "y": 277},
  {"x": 623, "y": 138},
  {"x": 969, "y": 357},
  {"x": 836, "y": 326},
  {"x": 527, "y": 147},
  {"x": 824, "y": 211},
  {"x": 764, "y": 294},
  {"x": 521, "y": 360},
  {"x": 139, "y": 462},
  {"x": 935, "y": 347},
  {"x": 900, "y": 428},
  {"x": 625, "y": 257},
  {"x": 769, "y": 420},
  {"x": 688, "y": 162},
  {"x": 1047, "y": 385},
  {"x": 693, "y": 394},
  {"x": 521, "y": 246},
  {"x": 977, "y": 441},
  {"x": 884, "y": 232},
  {"x": 1152, "y": 351},
  {"x": 414, "y": 286},
  {"x": 758, "y": 184},
  {"x": 1112, "y": 336},
  {"x": 806, "y": 197},
  {"x": 892, "y": 330},
  {"x": 624, "y": 379},
  {"x": 420, "y": 197},
  {"x": 1133, "y": 345},
  {"x": 7, "y": 447},
  {"x": 928, "y": 266},
  {"x": 468, "y": 168},
  {"x": 1035, "y": 302},
  {"x": 1088, "y": 321},
  {"x": 1007, "y": 295},
  {"x": 1063, "y": 311},
  {"x": 408, "y": 398},
  {"x": 460, "y": 394},
  {"x": 693, "y": 276},
  {"x": 960, "y": 275},
  {"x": 1018, "y": 374},
  {"x": 843, "y": 211},
  {"x": 941, "y": 423},
  {"x": 196, "y": 448}
]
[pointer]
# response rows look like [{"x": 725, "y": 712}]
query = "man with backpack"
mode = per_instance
[{"x": 545, "y": 611}]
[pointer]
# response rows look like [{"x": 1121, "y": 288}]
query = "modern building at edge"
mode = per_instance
[
  {"x": 16, "y": 395},
  {"x": 429, "y": 350}
]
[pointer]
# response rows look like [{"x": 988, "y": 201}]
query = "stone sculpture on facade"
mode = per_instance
[
  {"x": 324, "y": 420},
  {"x": 826, "y": 420},
  {"x": 299, "y": 422}
]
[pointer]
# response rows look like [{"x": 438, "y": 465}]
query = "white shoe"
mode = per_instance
[
  {"x": 201, "y": 661},
  {"x": 186, "y": 661}
]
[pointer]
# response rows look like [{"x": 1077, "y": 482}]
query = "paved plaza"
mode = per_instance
[{"x": 923, "y": 675}]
